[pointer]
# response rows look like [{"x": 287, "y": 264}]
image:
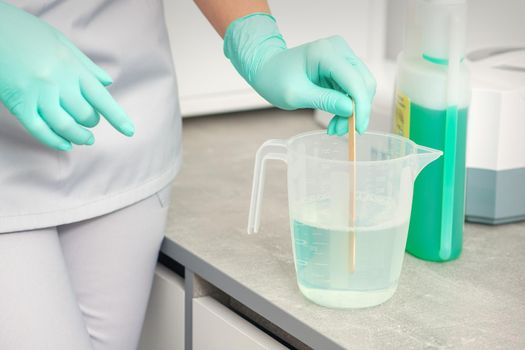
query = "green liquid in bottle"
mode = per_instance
[{"x": 436, "y": 229}]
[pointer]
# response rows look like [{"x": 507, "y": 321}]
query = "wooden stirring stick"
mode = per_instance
[{"x": 352, "y": 158}]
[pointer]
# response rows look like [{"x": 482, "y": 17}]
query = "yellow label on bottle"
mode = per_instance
[{"x": 402, "y": 115}]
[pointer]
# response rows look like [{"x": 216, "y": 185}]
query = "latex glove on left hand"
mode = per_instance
[
  {"x": 53, "y": 89},
  {"x": 324, "y": 74}
]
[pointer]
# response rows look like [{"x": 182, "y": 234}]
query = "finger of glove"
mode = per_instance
[
  {"x": 59, "y": 121},
  {"x": 91, "y": 66},
  {"x": 341, "y": 125},
  {"x": 332, "y": 125},
  {"x": 76, "y": 105},
  {"x": 97, "y": 95},
  {"x": 341, "y": 46},
  {"x": 349, "y": 79},
  {"x": 331, "y": 101},
  {"x": 367, "y": 76},
  {"x": 338, "y": 125},
  {"x": 33, "y": 123},
  {"x": 344, "y": 49}
]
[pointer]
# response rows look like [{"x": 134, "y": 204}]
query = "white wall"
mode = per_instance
[{"x": 490, "y": 23}]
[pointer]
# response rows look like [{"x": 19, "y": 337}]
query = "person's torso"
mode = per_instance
[{"x": 127, "y": 38}]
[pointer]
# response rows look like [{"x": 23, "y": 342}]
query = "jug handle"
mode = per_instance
[{"x": 271, "y": 149}]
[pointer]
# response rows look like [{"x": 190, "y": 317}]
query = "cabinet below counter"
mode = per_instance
[{"x": 214, "y": 325}]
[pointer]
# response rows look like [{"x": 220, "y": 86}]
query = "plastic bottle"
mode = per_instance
[{"x": 432, "y": 98}]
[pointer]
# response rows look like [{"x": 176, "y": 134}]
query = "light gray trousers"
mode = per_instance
[{"x": 81, "y": 286}]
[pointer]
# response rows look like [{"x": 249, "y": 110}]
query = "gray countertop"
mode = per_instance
[{"x": 475, "y": 302}]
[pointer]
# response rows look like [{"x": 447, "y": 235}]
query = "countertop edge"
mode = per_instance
[{"x": 247, "y": 297}]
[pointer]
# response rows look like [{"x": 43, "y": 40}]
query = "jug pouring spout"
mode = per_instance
[{"x": 424, "y": 156}]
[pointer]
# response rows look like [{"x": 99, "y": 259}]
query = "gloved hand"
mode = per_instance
[
  {"x": 50, "y": 86},
  {"x": 323, "y": 74}
]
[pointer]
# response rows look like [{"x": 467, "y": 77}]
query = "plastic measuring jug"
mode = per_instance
[{"x": 345, "y": 260}]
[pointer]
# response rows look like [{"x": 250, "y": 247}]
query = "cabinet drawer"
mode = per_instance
[
  {"x": 164, "y": 323},
  {"x": 217, "y": 327}
]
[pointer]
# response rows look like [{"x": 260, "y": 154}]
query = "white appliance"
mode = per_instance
[{"x": 495, "y": 190}]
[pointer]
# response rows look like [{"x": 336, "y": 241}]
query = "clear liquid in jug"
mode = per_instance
[{"x": 323, "y": 258}]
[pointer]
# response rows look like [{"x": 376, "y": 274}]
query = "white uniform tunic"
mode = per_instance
[{"x": 41, "y": 187}]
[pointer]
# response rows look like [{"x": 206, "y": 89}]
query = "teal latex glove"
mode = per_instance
[
  {"x": 52, "y": 88},
  {"x": 324, "y": 74}
]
